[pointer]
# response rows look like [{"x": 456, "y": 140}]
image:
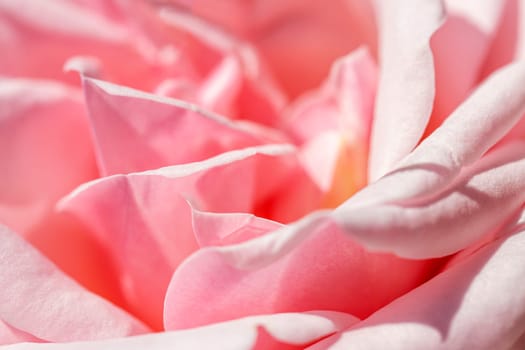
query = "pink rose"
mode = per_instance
[{"x": 262, "y": 174}]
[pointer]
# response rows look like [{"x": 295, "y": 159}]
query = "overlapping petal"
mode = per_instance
[
  {"x": 306, "y": 265},
  {"x": 475, "y": 304},
  {"x": 430, "y": 174},
  {"x": 136, "y": 131},
  {"x": 145, "y": 222}
]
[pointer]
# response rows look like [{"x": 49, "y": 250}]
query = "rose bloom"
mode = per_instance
[{"x": 267, "y": 174}]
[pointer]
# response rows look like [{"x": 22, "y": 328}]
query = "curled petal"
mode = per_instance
[
  {"x": 478, "y": 203},
  {"x": 406, "y": 86}
]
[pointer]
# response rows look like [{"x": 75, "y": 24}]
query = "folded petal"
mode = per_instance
[
  {"x": 406, "y": 87},
  {"x": 304, "y": 266},
  {"x": 145, "y": 223},
  {"x": 135, "y": 131},
  {"x": 298, "y": 329},
  {"x": 477, "y": 204},
  {"x": 476, "y": 304},
  {"x": 40, "y": 300},
  {"x": 37, "y": 118}
]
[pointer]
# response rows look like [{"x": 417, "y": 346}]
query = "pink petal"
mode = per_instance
[
  {"x": 406, "y": 87},
  {"x": 509, "y": 42},
  {"x": 63, "y": 29},
  {"x": 237, "y": 83},
  {"x": 39, "y": 299},
  {"x": 11, "y": 335},
  {"x": 37, "y": 118},
  {"x": 136, "y": 131},
  {"x": 479, "y": 201},
  {"x": 286, "y": 34},
  {"x": 304, "y": 266},
  {"x": 144, "y": 220},
  {"x": 343, "y": 103},
  {"x": 243, "y": 334},
  {"x": 475, "y": 304},
  {"x": 460, "y": 48},
  {"x": 228, "y": 228}
]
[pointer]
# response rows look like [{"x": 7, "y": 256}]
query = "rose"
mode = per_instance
[{"x": 124, "y": 237}]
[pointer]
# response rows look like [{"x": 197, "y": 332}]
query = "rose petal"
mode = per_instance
[
  {"x": 242, "y": 334},
  {"x": 36, "y": 119},
  {"x": 39, "y": 299},
  {"x": 460, "y": 48},
  {"x": 406, "y": 86},
  {"x": 480, "y": 200},
  {"x": 509, "y": 42},
  {"x": 492, "y": 110},
  {"x": 144, "y": 220},
  {"x": 228, "y": 228},
  {"x": 136, "y": 131},
  {"x": 11, "y": 335},
  {"x": 476, "y": 304},
  {"x": 64, "y": 29},
  {"x": 304, "y": 266},
  {"x": 289, "y": 34},
  {"x": 343, "y": 103}
]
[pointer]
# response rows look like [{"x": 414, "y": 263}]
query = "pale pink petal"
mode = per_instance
[
  {"x": 136, "y": 131},
  {"x": 460, "y": 48},
  {"x": 37, "y": 118},
  {"x": 228, "y": 228},
  {"x": 478, "y": 202},
  {"x": 145, "y": 222},
  {"x": 406, "y": 86},
  {"x": 343, "y": 103},
  {"x": 304, "y": 266},
  {"x": 476, "y": 304},
  {"x": 486, "y": 116},
  {"x": 39, "y": 299},
  {"x": 298, "y": 329}
]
